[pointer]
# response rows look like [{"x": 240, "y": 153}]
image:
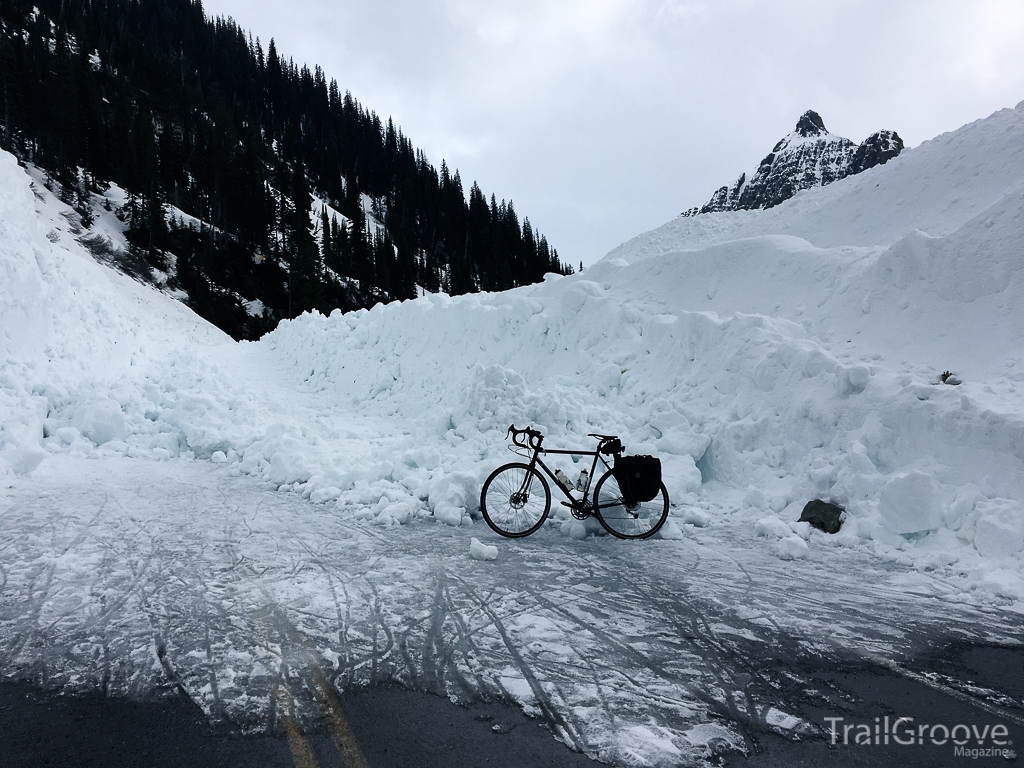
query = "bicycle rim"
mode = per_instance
[
  {"x": 515, "y": 500},
  {"x": 624, "y": 520}
]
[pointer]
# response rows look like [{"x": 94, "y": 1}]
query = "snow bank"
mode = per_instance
[
  {"x": 768, "y": 358},
  {"x": 729, "y": 400},
  {"x": 76, "y": 338}
]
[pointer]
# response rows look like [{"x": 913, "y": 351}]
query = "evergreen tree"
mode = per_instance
[
  {"x": 147, "y": 222},
  {"x": 305, "y": 278}
]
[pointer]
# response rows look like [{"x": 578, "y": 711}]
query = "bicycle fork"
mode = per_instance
[{"x": 519, "y": 498}]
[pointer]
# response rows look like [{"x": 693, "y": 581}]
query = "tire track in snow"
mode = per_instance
[
  {"x": 552, "y": 714},
  {"x": 634, "y": 587},
  {"x": 626, "y": 651}
]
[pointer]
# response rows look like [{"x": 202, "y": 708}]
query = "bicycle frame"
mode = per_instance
[{"x": 536, "y": 461}]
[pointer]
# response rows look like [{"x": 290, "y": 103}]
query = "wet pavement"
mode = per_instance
[
  {"x": 958, "y": 700},
  {"x": 390, "y": 727},
  {"x": 393, "y": 727}
]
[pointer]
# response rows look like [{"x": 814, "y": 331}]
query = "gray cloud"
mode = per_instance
[{"x": 604, "y": 118}]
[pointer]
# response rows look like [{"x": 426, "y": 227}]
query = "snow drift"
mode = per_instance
[{"x": 768, "y": 357}]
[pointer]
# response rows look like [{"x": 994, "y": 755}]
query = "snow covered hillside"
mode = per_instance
[{"x": 768, "y": 357}]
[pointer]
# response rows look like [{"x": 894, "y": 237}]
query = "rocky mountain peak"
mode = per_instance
[
  {"x": 808, "y": 157},
  {"x": 810, "y": 124}
]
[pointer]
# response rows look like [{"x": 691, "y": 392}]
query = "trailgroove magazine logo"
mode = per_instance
[{"x": 971, "y": 741}]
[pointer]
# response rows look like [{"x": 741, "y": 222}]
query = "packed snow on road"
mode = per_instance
[{"x": 184, "y": 512}]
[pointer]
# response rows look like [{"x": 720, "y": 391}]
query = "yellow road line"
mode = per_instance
[
  {"x": 344, "y": 739},
  {"x": 302, "y": 753}
]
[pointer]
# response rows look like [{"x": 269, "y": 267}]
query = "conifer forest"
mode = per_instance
[{"x": 250, "y": 180}]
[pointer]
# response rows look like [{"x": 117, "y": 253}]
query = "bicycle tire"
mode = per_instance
[
  {"x": 504, "y": 512},
  {"x": 625, "y": 521}
]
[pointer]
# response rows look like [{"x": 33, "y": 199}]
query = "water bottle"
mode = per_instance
[
  {"x": 563, "y": 480},
  {"x": 582, "y": 480}
]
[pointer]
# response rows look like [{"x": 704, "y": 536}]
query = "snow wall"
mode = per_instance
[{"x": 768, "y": 357}]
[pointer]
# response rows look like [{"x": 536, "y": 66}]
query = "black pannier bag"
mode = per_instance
[{"x": 639, "y": 477}]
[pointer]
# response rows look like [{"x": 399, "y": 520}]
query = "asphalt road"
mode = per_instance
[
  {"x": 389, "y": 727},
  {"x": 392, "y": 727},
  {"x": 972, "y": 686}
]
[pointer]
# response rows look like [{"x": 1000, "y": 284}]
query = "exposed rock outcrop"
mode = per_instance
[{"x": 808, "y": 157}]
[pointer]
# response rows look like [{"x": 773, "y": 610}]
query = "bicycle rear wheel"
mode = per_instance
[
  {"x": 636, "y": 520},
  {"x": 515, "y": 500}
]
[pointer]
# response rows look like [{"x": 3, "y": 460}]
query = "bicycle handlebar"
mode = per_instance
[
  {"x": 607, "y": 444},
  {"x": 533, "y": 437}
]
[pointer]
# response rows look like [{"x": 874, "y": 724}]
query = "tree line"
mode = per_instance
[{"x": 290, "y": 191}]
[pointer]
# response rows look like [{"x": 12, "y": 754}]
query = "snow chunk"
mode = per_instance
[
  {"x": 449, "y": 514},
  {"x": 1000, "y": 528},
  {"x": 791, "y": 548},
  {"x": 101, "y": 421},
  {"x": 696, "y": 517},
  {"x": 772, "y": 526},
  {"x": 1006, "y": 583},
  {"x": 801, "y": 529},
  {"x": 574, "y": 529},
  {"x": 480, "y": 551},
  {"x": 450, "y": 496},
  {"x": 707, "y": 733},
  {"x": 398, "y": 513},
  {"x": 910, "y": 503},
  {"x": 670, "y": 531},
  {"x": 782, "y": 720},
  {"x": 321, "y": 495},
  {"x": 22, "y": 456}
]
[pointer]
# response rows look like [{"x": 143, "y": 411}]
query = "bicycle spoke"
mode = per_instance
[
  {"x": 628, "y": 520},
  {"x": 515, "y": 500}
]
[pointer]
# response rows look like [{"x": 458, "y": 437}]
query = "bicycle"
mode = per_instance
[{"x": 516, "y": 498}]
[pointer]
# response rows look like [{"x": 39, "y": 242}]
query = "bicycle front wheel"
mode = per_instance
[
  {"x": 515, "y": 500},
  {"x": 628, "y": 520}
]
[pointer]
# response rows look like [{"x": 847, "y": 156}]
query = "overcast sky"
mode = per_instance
[{"x": 602, "y": 119}]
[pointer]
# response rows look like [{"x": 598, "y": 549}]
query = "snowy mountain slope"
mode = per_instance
[
  {"x": 68, "y": 324},
  {"x": 935, "y": 187},
  {"x": 57, "y": 297},
  {"x": 923, "y": 305}
]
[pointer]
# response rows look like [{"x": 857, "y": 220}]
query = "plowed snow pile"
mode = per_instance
[{"x": 768, "y": 357}]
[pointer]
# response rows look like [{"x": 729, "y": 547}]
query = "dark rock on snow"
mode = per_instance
[
  {"x": 808, "y": 157},
  {"x": 822, "y": 515}
]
